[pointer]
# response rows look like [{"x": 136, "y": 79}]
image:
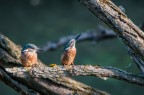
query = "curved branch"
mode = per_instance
[
  {"x": 99, "y": 34},
  {"x": 130, "y": 34}
]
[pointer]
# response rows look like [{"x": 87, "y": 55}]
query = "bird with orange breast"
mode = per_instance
[
  {"x": 69, "y": 53},
  {"x": 29, "y": 55}
]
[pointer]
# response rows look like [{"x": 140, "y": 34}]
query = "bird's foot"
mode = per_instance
[
  {"x": 52, "y": 65},
  {"x": 27, "y": 68},
  {"x": 72, "y": 66},
  {"x": 68, "y": 67}
]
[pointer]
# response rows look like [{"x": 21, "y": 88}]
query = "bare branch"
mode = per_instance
[
  {"x": 98, "y": 34},
  {"x": 54, "y": 73},
  {"x": 110, "y": 14},
  {"x": 51, "y": 81},
  {"x": 9, "y": 46},
  {"x": 19, "y": 87}
]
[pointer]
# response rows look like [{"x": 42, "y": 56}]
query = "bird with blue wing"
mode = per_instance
[
  {"x": 29, "y": 55},
  {"x": 69, "y": 53}
]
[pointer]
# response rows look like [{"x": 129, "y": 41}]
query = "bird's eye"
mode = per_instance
[{"x": 32, "y": 48}]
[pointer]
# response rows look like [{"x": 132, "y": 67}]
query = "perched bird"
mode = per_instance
[
  {"x": 29, "y": 55},
  {"x": 69, "y": 53}
]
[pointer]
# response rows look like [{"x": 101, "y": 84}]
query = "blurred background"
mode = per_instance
[{"x": 40, "y": 21}]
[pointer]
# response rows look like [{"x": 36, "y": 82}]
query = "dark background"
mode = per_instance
[{"x": 39, "y": 21}]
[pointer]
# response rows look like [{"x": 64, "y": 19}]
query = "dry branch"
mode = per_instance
[
  {"x": 54, "y": 73},
  {"x": 18, "y": 86},
  {"x": 130, "y": 34},
  {"x": 98, "y": 34}
]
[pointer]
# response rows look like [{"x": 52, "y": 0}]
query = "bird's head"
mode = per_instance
[
  {"x": 31, "y": 48},
  {"x": 71, "y": 43}
]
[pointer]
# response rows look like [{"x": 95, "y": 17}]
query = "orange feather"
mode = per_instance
[
  {"x": 28, "y": 59},
  {"x": 68, "y": 56}
]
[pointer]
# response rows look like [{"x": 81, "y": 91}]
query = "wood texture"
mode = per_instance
[{"x": 125, "y": 29}]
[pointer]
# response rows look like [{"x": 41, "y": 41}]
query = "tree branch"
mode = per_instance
[
  {"x": 53, "y": 78},
  {"x": 19, "y": 87},
  {"x": 54, "y": 73},
  {"x": 130, "y": 34},
  {"x": 98, "y": 34}
]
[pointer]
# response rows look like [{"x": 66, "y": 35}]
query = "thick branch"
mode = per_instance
[
  {"x": 80, "y": 70},
  {"x": 19, "y": 87},
  {"x": 11, "y": 48},
  {"x": 130, "y": 34},
  {"x": 53, "y": 81}
]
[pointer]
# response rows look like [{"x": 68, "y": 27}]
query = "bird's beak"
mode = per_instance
[
  {"x": 76, "y": 38},
  {"x": 25, "y": 50},
  {"x": 38, "y": 50},
  {"x": 67, "y": 48}
]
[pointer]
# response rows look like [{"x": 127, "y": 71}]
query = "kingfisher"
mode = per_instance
[
  {"x": 29, "y": 55},
  {"x": 69, "y": 53}
]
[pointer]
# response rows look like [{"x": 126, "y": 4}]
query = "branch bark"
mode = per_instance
[
  {"x": 129, "y": 33},
  {"x": 54, "y": 73},
  {"x": 18, "y": 86}
]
